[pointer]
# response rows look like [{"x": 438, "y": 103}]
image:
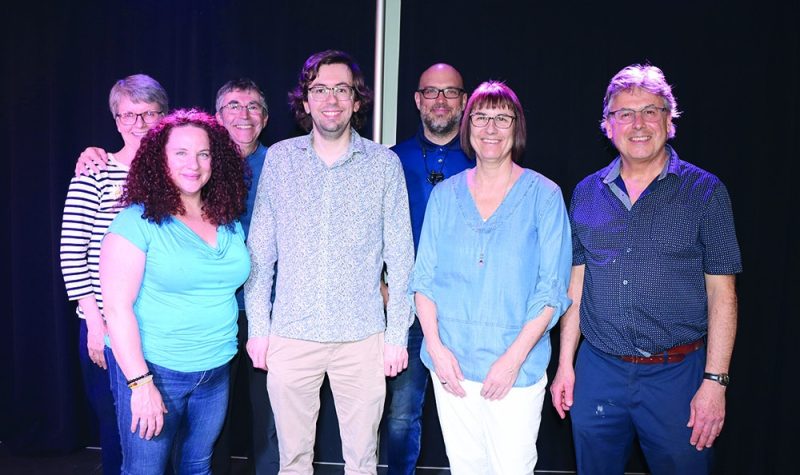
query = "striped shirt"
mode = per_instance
[{"x": 90, "y": 207}]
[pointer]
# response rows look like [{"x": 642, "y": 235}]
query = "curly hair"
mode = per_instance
[
  {"x": 309, "y": 73},
  {"x": 149, "y": 184}
]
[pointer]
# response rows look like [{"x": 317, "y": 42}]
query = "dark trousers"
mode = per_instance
[
  {"x": 98, "y": 390},
  {"x": 263, "y": 447},
  {"x": 406, "y": 394},
  {"x": 617, "y": 400}
]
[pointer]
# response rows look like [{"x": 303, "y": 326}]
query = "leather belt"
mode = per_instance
[{"x": 672, "y": 355}]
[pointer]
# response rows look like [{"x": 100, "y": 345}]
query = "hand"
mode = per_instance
[
  {"x": 501, "y": 378},
  {"x": 147, "y": 411},
  {"x": 561, "y": 390},
  {"x": 91, "y": 160},
  {"x": 384, "y": 293},
  {"x": 447, "y": 370},
  {"x": 96, "y": 341},
  {"x": 257, "y": 349},
  {"x": 706, "y": 414},
  {"x": 395, "y": 359}
]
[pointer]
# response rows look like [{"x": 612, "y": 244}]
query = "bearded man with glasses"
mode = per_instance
[
  {"x": 431, "y": 155},
  {"x": 654, "y": 261}
]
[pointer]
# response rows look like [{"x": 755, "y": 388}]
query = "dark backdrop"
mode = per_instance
[{"x": 735, "y": 70}]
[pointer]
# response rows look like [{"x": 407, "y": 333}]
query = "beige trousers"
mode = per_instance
[{"x": 355, "y": 371}]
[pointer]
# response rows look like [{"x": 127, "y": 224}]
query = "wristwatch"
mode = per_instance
[{"x": 721, "y": 378}]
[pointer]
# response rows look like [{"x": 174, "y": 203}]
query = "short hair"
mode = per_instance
[
  {"x": 495, "y": 94},
  {"x": 149, "y": 183},
  {"x": 138, "y": 88},
  {"x": 309, "y": 73},
  {"x": 241, "y": 84},
  {"x": 643, "y": 76}
]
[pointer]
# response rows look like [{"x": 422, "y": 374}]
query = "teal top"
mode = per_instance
[
  {"x": 489, "y": 278},
  {"x": 186, "y": 308}
]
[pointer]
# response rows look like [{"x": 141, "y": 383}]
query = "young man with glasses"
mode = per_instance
[
  {"x": 654, "y": 263},
  {"x": 431, "y": 155},
  {"x": 331, "y": 211}
]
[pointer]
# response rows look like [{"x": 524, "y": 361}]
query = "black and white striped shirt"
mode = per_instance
[{"x": 90, "y": 207}]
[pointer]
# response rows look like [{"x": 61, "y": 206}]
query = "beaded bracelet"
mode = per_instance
[
  {"x": 131, "y": 381},
  {"x": 141, "y": 382}
]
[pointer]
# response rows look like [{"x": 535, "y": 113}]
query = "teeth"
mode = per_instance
[{"x": 639, "y": 139}]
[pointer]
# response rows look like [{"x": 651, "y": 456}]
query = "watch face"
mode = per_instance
[{"x": 724, "y": 379}]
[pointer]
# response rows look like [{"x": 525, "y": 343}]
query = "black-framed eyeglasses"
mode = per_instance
[
  {"x": 252, "y": 108},
  {"x": 501, "y": 121},
  {"x": 433, "y": 92},
  {"x": 649, "y": 113},
  {"x": 341, "y": 92},
  {"x": 148, "y": 117}
]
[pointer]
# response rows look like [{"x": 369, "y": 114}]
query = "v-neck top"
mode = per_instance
[
  {"x": 186, "y": 307},
  {"x": 489, "y": 278}
]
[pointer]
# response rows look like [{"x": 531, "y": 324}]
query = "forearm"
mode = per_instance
[
  {"x": 722, "y": 322},
  {"x": 570, "y": 321},
  {"x": 126, "y": 343},
  {"x": 91, "y": 311},
  {"x": 529, "y": 336},
  {"x": 426, "y": 312}
]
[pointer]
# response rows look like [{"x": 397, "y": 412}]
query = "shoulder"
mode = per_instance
[
  {"x": 378, "y": 153},
  {"x": 408, "y": 146},
  {"x": 539, "y": 182}
]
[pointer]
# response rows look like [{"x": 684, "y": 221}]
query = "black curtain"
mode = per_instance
[{"x": 734, "y": 66}]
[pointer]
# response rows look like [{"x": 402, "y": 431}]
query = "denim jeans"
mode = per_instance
[
  {"x": 406, "y": 393},
  {"x": 195, "y": 402},
  {"x": 96, "y": 385}
]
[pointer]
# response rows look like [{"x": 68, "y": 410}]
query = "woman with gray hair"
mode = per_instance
[{"x": 137, "y": 103}]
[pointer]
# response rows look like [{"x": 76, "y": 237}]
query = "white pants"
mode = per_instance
[{"x": 485, "y": 437}]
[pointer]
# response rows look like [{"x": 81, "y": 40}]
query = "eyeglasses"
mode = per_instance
[
  {"x": 321, "y": 93},
  {"x": 148, "y": 117},
  {"x": 433, "y": 93},
  {"x": 501, "y": 121},
  {"x": 253, "y": 108},
  {"x": 649, "y": 114}
]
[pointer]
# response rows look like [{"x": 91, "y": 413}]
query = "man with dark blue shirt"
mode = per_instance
[
  {"x": 653, "y": 289},
  {"x": 429, "y": 157}
]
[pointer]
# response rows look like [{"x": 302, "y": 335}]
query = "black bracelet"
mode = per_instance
[{"x": 131, "y": 381}]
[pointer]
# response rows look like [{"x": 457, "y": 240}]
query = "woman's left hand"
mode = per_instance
[{"x": 501, "y": 378}]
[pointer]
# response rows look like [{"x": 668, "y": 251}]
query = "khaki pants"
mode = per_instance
[{"x": 355, "y": 370}]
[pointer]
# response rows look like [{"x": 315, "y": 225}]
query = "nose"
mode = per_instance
[
  {"x": 638, "y": 119},
  {"x": 491, "y": 126}
]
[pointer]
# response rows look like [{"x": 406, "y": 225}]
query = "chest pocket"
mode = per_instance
[{"x": 676, "y": 228}]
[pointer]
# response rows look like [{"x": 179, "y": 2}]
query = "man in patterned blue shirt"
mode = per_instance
[{"x": 653, "y": 289}]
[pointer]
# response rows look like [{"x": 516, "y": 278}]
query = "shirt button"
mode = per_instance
[
  {"x": 628, "y": 250},
  {"x": 624, "y": 282},
  {"x": 440, "y": 160}
]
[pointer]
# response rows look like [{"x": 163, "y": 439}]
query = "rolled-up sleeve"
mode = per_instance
[{"x": 555, "y": 263}]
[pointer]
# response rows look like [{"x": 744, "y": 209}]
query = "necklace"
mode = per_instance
[
  {"x": 481, "y": 257},
  {"x": 434, "y": 176}
]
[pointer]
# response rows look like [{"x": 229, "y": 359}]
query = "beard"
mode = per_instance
[{"x": 441, "y": 126}]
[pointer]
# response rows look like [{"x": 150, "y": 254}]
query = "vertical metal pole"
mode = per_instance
[{"x": 377, "y": 117}]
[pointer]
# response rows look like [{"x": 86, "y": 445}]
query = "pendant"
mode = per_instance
[{"x": 480, "y": 260}]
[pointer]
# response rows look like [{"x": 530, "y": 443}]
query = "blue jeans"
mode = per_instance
[
  {"x": 616, "y": 400},
  {"x": 96, "y": 385},
  {"x": 195, "y": 402},
  {"x": 406, "y": 393}
]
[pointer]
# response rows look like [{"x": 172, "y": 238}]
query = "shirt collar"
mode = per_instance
[
  {"x": 423, "y": 141},
  {"x": 356, "y": 147},
  {"x": 671, "y": 166}
]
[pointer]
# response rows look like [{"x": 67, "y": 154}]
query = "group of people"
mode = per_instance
[{"x": 323, "y": 231}]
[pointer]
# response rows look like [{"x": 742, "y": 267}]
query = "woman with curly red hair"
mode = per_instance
[{"x": 169, "y": 267}]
